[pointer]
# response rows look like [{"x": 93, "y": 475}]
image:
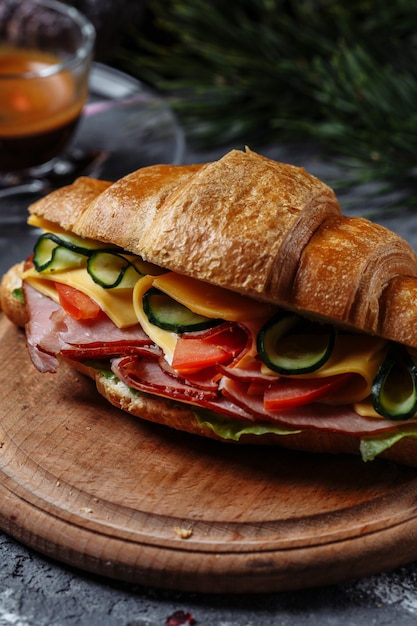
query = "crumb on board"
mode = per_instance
[{"x": 183, "y": 533}]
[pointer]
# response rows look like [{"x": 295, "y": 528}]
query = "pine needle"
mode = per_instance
[{"x": 340, "y": 74}]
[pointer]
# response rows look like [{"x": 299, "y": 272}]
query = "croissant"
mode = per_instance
[
  {"x": 262, "y": 228},
  {"x": 259, "y": 256}
]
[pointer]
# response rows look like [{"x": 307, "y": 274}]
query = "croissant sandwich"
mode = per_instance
[{"x": 231, "y": 300}]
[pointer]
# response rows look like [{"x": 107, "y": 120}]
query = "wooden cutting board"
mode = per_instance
[{"x": 86, "y": 484}]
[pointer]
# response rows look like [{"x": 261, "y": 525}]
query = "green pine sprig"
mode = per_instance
[{"x": 341, "y": 74}]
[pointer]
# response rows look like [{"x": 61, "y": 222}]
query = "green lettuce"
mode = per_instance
[
  {"x": 370, "y": 447},
  {"x": 18, "y": 294},
  {"x": 234, "y": 429}
]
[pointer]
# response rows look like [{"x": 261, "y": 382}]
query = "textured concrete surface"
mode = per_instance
[{"x": 37, "y": 592}]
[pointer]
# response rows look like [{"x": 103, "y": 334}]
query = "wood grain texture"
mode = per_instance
[{"x": 92, "y": 487}]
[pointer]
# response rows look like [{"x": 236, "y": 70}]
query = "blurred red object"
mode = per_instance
[{"x": 180, "y": 618}]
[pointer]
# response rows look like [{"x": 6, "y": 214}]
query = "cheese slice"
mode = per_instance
[
  {"x": 165, "y": 339},
  {"x": 210, "y": 300},
  {"x": 55, "y": 229},
  {"x": 116, "y": 303},
  {"x": 356, "y": 354},
  {"x": 46, "y": 225},
  {"x": 364, "y": 408}
]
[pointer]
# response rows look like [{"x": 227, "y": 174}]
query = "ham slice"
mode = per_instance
[
  {"x": 40, "y": 310},
  {"x": 139, "y": 364},
  {"x": 148, "y": 376},
  {"x": 334, "y": 418},
  {"x": 51, "y": 332},
  {"x": 232, "y": 399},
  {"x": 203, "y": 379}
]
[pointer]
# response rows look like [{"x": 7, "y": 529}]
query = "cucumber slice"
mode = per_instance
[
  {"x": 108, "y": 267},
  {"x": 53, "y": 254},
  {"x": 168, "y": 314},
  {"x": 143, "y": 267},
  {"x": 394, "y": 389},
  {"x": 290, "y": 344},
  {"x": 111, "y": 270}
]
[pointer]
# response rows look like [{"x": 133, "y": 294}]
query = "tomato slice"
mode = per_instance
[
  {"x": 292, "y": 392},
  {"x": 193, "y": 352},
  {"x": 76, "y": 303}
]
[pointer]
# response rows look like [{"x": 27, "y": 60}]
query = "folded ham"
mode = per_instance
[{"x": 268, "y": 231}]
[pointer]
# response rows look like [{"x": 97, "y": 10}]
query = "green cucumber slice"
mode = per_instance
[
  {"x": 53, "y": 254},
  {"x": 111, "y": 270},
  {"x": 108, "y": 267},
  {"x": 394, "y": 389},
  {"x": 290, "y": 344},
  {"x": 168, "y": 314},
  {"x": 59, "y": 252}
]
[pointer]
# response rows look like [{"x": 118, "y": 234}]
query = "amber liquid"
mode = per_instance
[{"x": 37, "y": 115}]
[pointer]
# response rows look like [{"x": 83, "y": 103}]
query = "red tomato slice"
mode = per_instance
[
  {"x": 76, "y": 303},
  {"x": 291, "y": 392},
  {"x": 193, "y": 352}
]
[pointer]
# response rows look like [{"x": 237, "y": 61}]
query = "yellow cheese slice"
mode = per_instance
[
  {"x": 46, "y": 225},
  {"x": 365, "y": 409},
  {"x": 356, "y": 354},
  {"x": 165, "y": 339},
  {"x": 116, "y": 303},
  {"x": 55, "y": 229},
  {"x": 210, "y": 300}
]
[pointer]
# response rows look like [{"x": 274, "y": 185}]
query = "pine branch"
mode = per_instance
[{"x": 342, "y": 74}]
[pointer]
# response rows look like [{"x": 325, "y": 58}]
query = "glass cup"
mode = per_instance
[{"x": 46, "y": 49}]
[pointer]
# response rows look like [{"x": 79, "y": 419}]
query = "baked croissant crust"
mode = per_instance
[{"x": 265, "y": 229}]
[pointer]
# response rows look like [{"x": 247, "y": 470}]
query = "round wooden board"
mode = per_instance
[{"x": 90, "y": 486}]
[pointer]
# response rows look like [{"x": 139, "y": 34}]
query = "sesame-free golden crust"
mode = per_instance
[
  {"x": 267, "y": 230},
  {"x": 66, "y": 204},
  {"x": 125, "y": 213},
  {"x": 239, "y": 222},
  {"x": 11, "y": 306},
  {"x": 345, "y": 269},
  {"x": 230, "y": 223}
]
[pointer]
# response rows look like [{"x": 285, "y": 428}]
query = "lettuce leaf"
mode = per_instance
[
  {"x": 370, "y": 447},
  {"x": 18, "y": 294},
  {"x": 234, "y": 429}
]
